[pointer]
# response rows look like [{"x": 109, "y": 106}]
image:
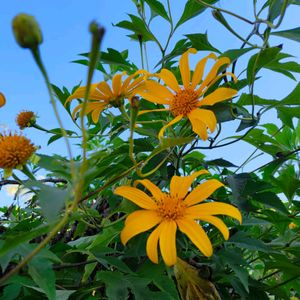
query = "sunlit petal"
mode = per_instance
[
  {"x": 154, "y": 190},
  {"x": 150, "y": 111},
  {"x": 104, "y": 88},
  {"x": 180, "y": 185},
  {"x": 198, "y": 126},
  {"x": 167, "y": 242},
  {"x": 136, "y": 196},
  {"x": 185, "y": 68},
  {"x": 140, "y": 221},
  {"x": 196, "y": 234},
  {"x": 169, "y": 79},
  {"x": 96, "y": 112},
  {"x": 155, "y": 92},
  {"x": 218, "y": 95},
  {"x": 218, "y": 224},
  {"x": 175, "y": 120},
  {"x": 152, "y": 243},
  {"x": 117, "y": 84},
  {"x": 202, "y": 191},
  {"x": 199, "y": 70},
  {"x": 205, "y": 116}
]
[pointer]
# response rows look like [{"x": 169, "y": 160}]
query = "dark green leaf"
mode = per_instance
[
  {"x": 270, "y": 199},
  {"x": 292, "y": 34},
  {"x": 166, "y": 143},
  {"x": 234, "y": 54},
  {"x": 200, "y": 42},
  {"x": 158, "y": 8},
  {"x": 286, "y": 115},
  {"x": 220, "y": 162},
  {"x": 246, "y": 99},
  {"x": 293, "y": 97}
]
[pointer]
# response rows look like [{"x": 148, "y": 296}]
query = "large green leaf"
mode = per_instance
[
  {"x": 293, "y": 97},
  {"x": 200, "y": 42},
  {"x": 292, "y": 34},
  {"x": 234, "y": 54},
  {"x": 286, "y": 115}
]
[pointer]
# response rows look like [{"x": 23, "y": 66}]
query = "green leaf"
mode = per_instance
[
  {"x": 192, "y": 9},
  {"x": 246, "y": 99},
  {"x": 234, "y": 54},
  {"x": 270, "y": 199},
  {"x": 41, "y": 272},
  {"x": 220, "y": 162},
  {"x": 138, "y": 27},
  {"x": 11, "y": 292},
  {"x": 284, "y": 68},
  {"x": 200, "y": 42},
  {"x": 286, "y": 115},
  {"x": 292, "y": 34},
  {"x": 259, "y": 60},
  {"x": 293, "y": 97},
  {"x": 158, "y": 8}
]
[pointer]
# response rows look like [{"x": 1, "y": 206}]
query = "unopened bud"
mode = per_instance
[
  {"x": 27, "y": 31},
  {"x": 2, "y": 100}
]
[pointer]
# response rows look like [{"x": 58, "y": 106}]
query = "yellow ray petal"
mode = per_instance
[
  {"x": 202, "y": 191},
  {"x": 175, "y": 120},
  {"x": 196, "y": 234},
  {"x": 185, "y": 68},
  {"x": 167, "y": 242},
  {"x": 104, "y": 88},
  {"x": 117, "y": 84},
  {"x": 135, "y": 84},
  {"x": 215, "y": 208},
  {"x": 76, "y": 109},
  {"x": 140, "y": 221},
  {"x": 155, "y": 92},
  {"x": 180, "y": 185},
  {"x": 151, "y": 246},
  {"x": 218, "y": 224},
  {"x": 218, "y": 95},
  {"x": 205, "y": 116},
  {"x": 79, "y": 93},
  {"x": 96, "y": 112},
  {"x": 155, "y": 191},
  {"x": 199, "y": 70},
  {"x": 213, "y": 72},
  {"x": 136, "y": 196},
  {"x": 169, "y": 79},
  {"x": 141, "y": 112},
  {"x": 198, "y": 126}
]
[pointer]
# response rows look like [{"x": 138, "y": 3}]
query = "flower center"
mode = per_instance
[
  {"x": 171, "y": 208},
  {"x": 184, "y": 102}
]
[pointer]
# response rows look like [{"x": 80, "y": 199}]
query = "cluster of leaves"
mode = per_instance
[{"x": 85, "y": 259}]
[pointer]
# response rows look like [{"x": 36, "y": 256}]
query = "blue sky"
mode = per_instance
[{"x": 64, "y": 25}]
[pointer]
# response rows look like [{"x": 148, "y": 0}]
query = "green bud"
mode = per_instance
[{"x": 27, "y": 31}]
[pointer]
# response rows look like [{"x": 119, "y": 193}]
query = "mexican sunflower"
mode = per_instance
[
  {"x": 187, "y": 101},
  {"x": 102, "y": 95},
  {"x": 176, "y": 209}
]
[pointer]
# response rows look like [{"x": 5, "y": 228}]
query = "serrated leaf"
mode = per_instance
[
  {"x": 292, "y": 34},
  {"x": 200, "y": 42}
]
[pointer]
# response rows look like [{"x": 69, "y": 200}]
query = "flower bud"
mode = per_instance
[
  {"x": 2, "y": 100},
  {"x": 25, "y": 119},
  {"x": 27, "y": 31}
]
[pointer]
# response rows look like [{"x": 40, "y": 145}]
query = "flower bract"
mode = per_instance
[{"x": 177, "y": 209}]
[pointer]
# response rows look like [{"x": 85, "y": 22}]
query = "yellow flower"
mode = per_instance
[
  {"x": 25, "y": 119},
  {"x": 292, "y": 225},
  {"x": 2, "y": 100},
  {"x": 185, "y": 101},
  {"x": 172, "y": 210},
  {"x": 102, "y": 95},
  {"x": 15, "y": 150}
]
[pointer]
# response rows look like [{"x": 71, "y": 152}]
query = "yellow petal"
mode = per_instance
[
  {"x": 215, "y": 208},
  {"x": 202, "y": 191},
  {"x": 198, "y": 126},
  {"x": 218, "y": 95},
  {"x": 205, "y": 116},
  {"x": 104, "y": 88},
  {"x": 80, "y": 92},
  {"x": 155, "y": 191},
  {"x": 140, "y": 221},
  {"x": 196, "y": 234},
  {"x": 213, "y": 72},
  {"x": 169, "y": 79},
  {"x": 76, "y": 109},
  {"x": 155, "y": 92},
  {"x": 2, "y": 100},
  {"x": 218, "y": 78},
  {"x": 96, "y": 112},
  {"x": 218, "y": 224},
  {"x": 175, "y": 120},
  {"x": 117, "y": 84},
  {"x": 141, "y": 112},
  {"x": 185, "y": 68},
  {"x": 136, "y": 196},
  {"x": 151, "y": 246},
  {"x": 199, "y": 70},
  {"x": 167, "y": 242},
  {"x": 180, "y": 185}
]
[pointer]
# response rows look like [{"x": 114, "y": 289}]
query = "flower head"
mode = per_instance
[
  {"x": 176, "y": 209},
  {"x": 2, "y": 100},
  {"x": 25, "y": 119},
  {"x": 15, "y": 150},
  {"x": 101, "y": 94},
  {"x": 186, "y": 101}
]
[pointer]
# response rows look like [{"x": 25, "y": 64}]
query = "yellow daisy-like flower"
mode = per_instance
[
  {"x": 185, "y": 101},
  {"x": 177, "y": 209},
  {"x": 2, "y": 100},
  {"x": 25, "y": 119},
  {"x": 102, "y": 95},
  {"x": 15, "y": 150}
]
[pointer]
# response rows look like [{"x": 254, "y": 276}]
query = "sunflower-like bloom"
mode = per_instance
[
  {"x": 177, "y": 209},
  {"x": 2, "y": 100},
  {"x": 101, "y": 94},
  {"x": 25, "y": 119},
  {"x": 15, "y": 150},
  {"x": 186, "y": 101}
]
